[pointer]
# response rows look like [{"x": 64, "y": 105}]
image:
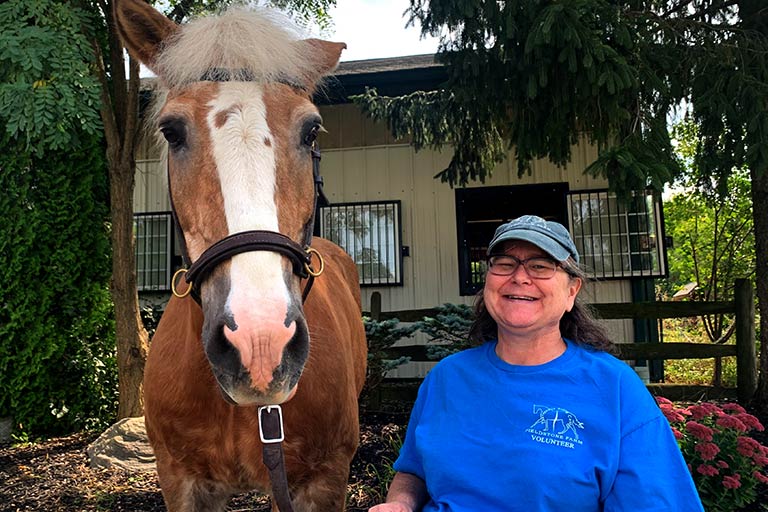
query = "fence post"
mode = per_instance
[
  {"x": 746, "y": 358},
  {"x": 376, "y": 306}
]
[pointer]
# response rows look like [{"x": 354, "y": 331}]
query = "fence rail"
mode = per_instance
[{"x": 742, "y": 307}]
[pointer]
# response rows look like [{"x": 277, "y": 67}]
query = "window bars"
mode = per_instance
[{"x": 370, "y": 233}]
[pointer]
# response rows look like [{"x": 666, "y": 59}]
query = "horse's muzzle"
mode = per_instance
[{"x": 255, "y": 359}]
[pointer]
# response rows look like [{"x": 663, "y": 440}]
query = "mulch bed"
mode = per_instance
[{"x": 55, "y": 476}]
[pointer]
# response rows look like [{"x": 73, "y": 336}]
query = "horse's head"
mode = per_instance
[{"x": 239, "y": 123}]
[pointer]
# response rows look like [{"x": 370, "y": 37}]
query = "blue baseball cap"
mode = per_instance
[{"x": 551, "y": 237}]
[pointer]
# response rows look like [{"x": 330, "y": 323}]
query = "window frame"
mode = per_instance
[
  {"x": 394, "y": 233},
  {"x": 649, "y": 242},
  {"x": 169, "y": 251}
]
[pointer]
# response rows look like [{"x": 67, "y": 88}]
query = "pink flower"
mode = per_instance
[
  {"x": 747, "y": 446},
  {"x": 708, "y": 451},
  {"x": 677, "y": 433},
  {"x": 661, "y": 400},
  {"x": 722, "y": 464},
  {"x": 733, "y": 407},
  {"x": 731, "y": 482},
  {"x": 759, "y": 460},
  {"x": 699, "y": 431},
  {"x": 760, "y": 477},
  {"x": 750, "y": 421},
  {"x": 731, "y": 422},
  {"x": 707, "y": 470},
  {"x": 673, "y": 415},
  {"x": 702, "y": 410}
]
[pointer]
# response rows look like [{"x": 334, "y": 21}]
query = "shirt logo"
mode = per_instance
[{"x": 555, "y": 426}]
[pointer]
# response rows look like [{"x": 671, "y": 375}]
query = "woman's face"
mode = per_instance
[{"x": 522, "y": 305}]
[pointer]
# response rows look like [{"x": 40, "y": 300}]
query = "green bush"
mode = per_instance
[
  {"x": 448, "y": 330},
  {"x": 57, "y": 361},
  {"x": 381, "y": 335}
]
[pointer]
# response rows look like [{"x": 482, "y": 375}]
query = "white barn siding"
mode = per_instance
[{"x": 362, "y": 162}]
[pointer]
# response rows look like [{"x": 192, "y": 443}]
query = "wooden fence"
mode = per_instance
[{"x": 744, "y": 350}]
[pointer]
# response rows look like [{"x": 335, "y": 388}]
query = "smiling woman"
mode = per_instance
[{"x": 539, "y": 417}]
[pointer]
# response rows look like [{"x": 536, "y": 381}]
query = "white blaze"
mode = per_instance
[{"x": 246, "y": 167}]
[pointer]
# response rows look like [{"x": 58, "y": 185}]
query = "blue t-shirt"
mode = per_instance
[{"x": 577, "y": 434}]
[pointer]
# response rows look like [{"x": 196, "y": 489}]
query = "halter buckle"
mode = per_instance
[{"x": 271, "y": 437}]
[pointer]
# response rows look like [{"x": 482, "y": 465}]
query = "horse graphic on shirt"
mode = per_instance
[{"x": 550, "y": 417}]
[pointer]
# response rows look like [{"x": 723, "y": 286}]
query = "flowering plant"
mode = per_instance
[{"x": 727, "y": 465}]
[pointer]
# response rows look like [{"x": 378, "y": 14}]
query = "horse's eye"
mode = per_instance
[
  {"x": 311, "y": 134},
  {"x": 175, "y": 132}
]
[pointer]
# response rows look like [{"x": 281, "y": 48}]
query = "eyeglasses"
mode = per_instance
[{"x": 537, "y": 268}]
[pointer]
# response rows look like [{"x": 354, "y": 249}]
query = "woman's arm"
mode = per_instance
[{"x": 407, "y": 493}]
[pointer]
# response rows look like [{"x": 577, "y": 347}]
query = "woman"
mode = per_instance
[{"x": 539, "y": 417}]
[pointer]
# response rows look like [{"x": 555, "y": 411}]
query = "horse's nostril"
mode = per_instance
[{"x": 221, "y": 353}]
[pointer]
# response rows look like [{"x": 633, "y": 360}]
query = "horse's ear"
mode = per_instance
[
  {"x": 326, "y": 56},
  {"x": 142, "y": 29}
]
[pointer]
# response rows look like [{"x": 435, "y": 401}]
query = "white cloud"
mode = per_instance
[{"x": 375, "y": 29}]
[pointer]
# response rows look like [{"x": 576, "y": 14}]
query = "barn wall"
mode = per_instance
[{"x": 362, "y": 162}]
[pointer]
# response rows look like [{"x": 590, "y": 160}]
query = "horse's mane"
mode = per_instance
[{"x": 243, "y": 44}]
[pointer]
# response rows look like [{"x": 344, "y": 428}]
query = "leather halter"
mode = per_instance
[{"x": 254, "y": 240}]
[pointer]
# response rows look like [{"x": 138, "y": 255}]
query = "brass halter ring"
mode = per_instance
[
  {"x": 309, "y": 269},
  {"x": 179, "y": 272}
]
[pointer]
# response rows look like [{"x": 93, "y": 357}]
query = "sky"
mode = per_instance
[
  {"x": 375, "y": 29},
  {"x": 372, "y": 29}
]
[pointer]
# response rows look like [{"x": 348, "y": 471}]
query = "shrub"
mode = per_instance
[
  {"x": 381, "y": 335},
  {"x": 57, "y": 361},
  {"x": 727, "y": 465},
  {"x": 448, "y": 330}
]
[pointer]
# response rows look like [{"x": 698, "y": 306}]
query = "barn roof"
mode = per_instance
[{"x": 393, "y": 76}]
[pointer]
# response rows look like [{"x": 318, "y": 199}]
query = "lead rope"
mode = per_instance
[{"x": 272, "y": 435}]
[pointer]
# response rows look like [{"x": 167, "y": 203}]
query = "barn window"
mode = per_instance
[
  {"x": 370, "y": 233},
  {"x": 154, "y": 250},
  {"x": 618, "y": 239},
  {"x": 480, "y": 210}
]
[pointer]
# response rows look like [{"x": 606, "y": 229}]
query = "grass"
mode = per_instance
[{"x": 694, "y": 371}]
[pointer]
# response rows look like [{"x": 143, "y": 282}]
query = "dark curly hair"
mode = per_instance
[{"x": 578, "y": 325}]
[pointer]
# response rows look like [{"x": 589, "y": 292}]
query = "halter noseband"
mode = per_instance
[{"x": 254, "y": 240}]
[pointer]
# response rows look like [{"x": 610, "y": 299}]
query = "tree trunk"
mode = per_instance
[
  {"x": 132, "y": 338},
  {"x": 755, "y": 17},
  {"x": 760, "y": 216},
  {"x": 119, "y": 113}
]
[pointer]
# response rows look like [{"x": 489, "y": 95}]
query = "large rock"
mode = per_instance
[{"x": 124, "y": 445}]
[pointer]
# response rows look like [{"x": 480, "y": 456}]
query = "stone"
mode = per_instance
[
  {"x": 124, "y": 445},
  {"x": 6, "y": 429}
]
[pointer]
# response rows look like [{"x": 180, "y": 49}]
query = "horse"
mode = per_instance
[{"x": 237, "y": 338}]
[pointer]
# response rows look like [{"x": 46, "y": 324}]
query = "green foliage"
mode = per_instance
[
  {"x": 57, "y": 362},
  {"x": 713, "y": 238},
  {"x": 381, "y": 335},
  {"x": 726, "y": 463},
  {"x": 381, "y": 471},
  {"x": 538, "y": 76},
  {"x": 150, "y": 317},
  {"x": 433, "y": 119},
  {"x": 49, "y": 95},
  {"x": 57, "y": 366},
  {"x": 303, "y": 11},
  {"x": 448, "y": 330}
]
